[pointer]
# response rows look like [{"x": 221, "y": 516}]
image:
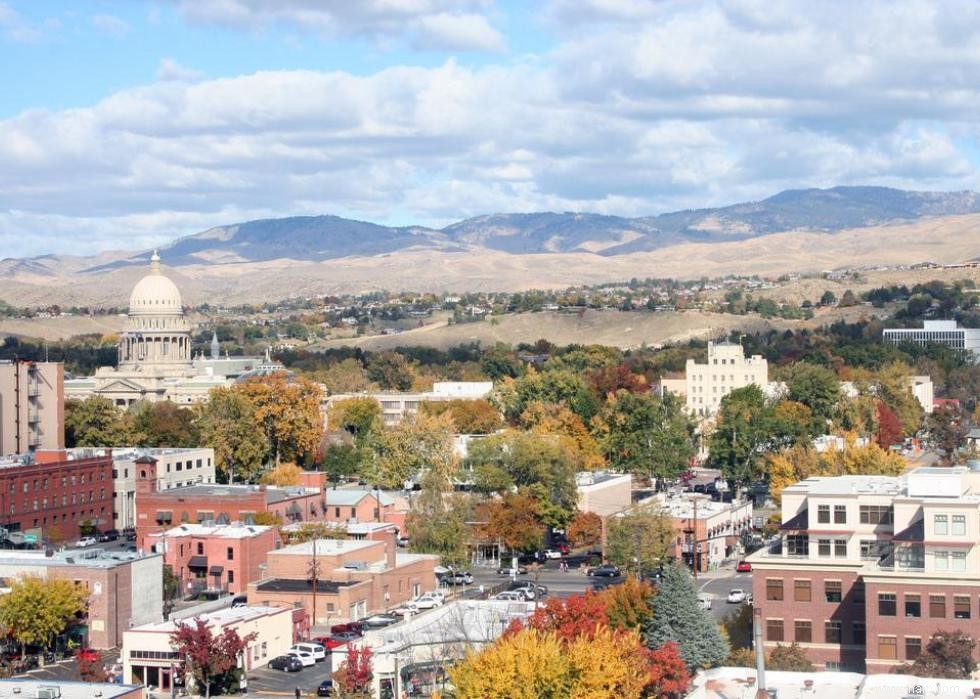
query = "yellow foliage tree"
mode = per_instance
[
  {"x": 548, "y": 418},
  {"x": 282, "y": 475},
  {"x": 287, "y": 410},
  {"x": 608, "y": 665},
  {"x": 420, "y": 442},
  {"x": 36, "y": 610}
]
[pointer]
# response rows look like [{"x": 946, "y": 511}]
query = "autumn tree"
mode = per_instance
[
  {"x": 92, "y": 669},
  {"x": 948, "y": 655},
  {"x": 95, "y": 422},
  {"x": 572, "y": 617},
  {"x": 556, "y": 386},
  {"x": 308, "y": 531},
  {"x": 628, "y": 605},
  {"x": 210, "y": 660},
  {"x": 355, "y": 674},
  {"x": 560, "y": 423},
  {"x": 359, "y": 416},
  {"x": 38, "y": 609},
  {"x": 947, "y": 432},
  {"x": 790, "y": 658},
  {"x": 646, "y": 434},
  {"x": 475, "y": 416},
  {"x": 814, "y": 386},
  {"x": 228, "y": 425},
  {"x": 669, "y": 677},
  {"x": 437, "y": 520},
  {"x": 287, "y": 411},
  {"x": 889, "y": 427},
  {"x": 609, "y": 380},
  {"x": 346, "y": 376},
  {"x": 891, "y": 384},
  {"x": 282, "y": 475},
  {"x": 585, "y": 529},
  {"x": 419, "y": 443},
  {"x": 390, "y": 371},
  {"x": 678, "y": 617},
  {"x": 639, "y": 540},
  {"x": 514, "y": 519},
  {"x": 163, "y": 424}
]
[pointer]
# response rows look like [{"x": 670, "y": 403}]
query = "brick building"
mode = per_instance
[
  {"x": 51, "y": 493},
  {"x": 869, "y": 567},
  {"x": 32, "y": 406},
  {"x": 357, "y": 505},
  {"x": 157, "y": 511},
  {"x": 222, "y": 558},
  {"x": 356, "y": 578},
  {"x": 707, "y": 530},
  {"x": 124, "y": 589}
]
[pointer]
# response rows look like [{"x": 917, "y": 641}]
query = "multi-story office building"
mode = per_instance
[
  {"x": 51, "y": 493},
  {"x": 869, "y": 567},
  {"x": 396, "y": 406},
  {"x": 32, "y": 406},
  {"x": 726, "y": 370},
  {"x": 943, "y": 332}
]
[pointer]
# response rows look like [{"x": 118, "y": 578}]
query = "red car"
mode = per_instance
[
  {"x": 88, "y": 654},
  {"x": 744, "y": 567},
  {"x": 562, "y": 547}
]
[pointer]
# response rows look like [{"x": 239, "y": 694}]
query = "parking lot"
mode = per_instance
[{"x": 276, "y": 682}]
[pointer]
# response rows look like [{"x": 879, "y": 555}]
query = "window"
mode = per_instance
[
  {"x": 913, "y": 647},
  {"x": 231, "y": 553},
  {"x": 961, "y": 607},
  {"x": 801, "y": 590},
  {"x": 840, "y": 514},
  {"x": 940, "y": 524},
  {"x": 877, "y": 514},
  {"x": 872, "y": 550},
  {"x": 887, "y": 647},
  {"x": 959, "y": 525},
  {"x": 959, "y": 561},
  {"x": 941, "y": 559},
  {"x": 831, "y": 632},
  {"x": 774, "y": 629},
  {"x": 823, "y": 547},
  {"x": 774, "y": 588},
  {"x": 913, "y": 606},
  {"x": 832, "y": 590},
  {"x": 798, "y": 545},
  {"x": 804, "y": 631},
  {"x": 937, "y": 606},
  {"x": 231, "y": 576},
  {"x": 858, "y": 634},
  {"x": 200, "y": 548},
  {"x": 336, "y": 512},
  {"x": 886, "y": 604},
  {"x": 840, "y": 548},
  {"x": 823, "y": 514}
]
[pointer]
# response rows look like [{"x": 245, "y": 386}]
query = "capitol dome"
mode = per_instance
[{"x": 155, "y": 294}]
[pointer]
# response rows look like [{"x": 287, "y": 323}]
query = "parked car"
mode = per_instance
[
  {"x": 549, "y": 554},
  {"x": 239, "y": 601},
  {"x": 109, "y": 535},
  {"x": 704, "y": 601},
  {"x": 315, "y": 649},
  {"x": 509, "y": 596},
  {"x": 606, "y": 570},
  {"x": 748, "y": 598},
  {"x": 325, "y": 689},
  {"x": 380, "y": 620},
  {"x": 736, "y": 596},
  {"x": 458, "y": 577},
  {"x": 530, "y": 590},
  {"x": 344, "y": 637},
  {"x": 429, "y": 600},
  {"x": 329, "y": 642},
  {"x": 563, "y": 548},
  {"x": 306, "y": 658},
  {"x": 355, "y": 626},
  {"x": 521, "y": 570},
  {"x": 286, "y": 663},
  {"x": 744, "y": 567},
  {"x": 87, "y": 654},
  {"x": 129, "y": 534},
  {"x": 86, "y": 541}
]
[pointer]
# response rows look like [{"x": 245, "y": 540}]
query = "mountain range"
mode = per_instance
[{"x": 329, "y": 254}]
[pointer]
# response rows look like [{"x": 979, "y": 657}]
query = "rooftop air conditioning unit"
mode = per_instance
[{"x": 48, "y": 693}]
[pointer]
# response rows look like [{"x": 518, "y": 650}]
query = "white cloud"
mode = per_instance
[
  {"x": 456, "y": 25},
  {"x": 170, "y": 69},
  {"x": 111, "y": 25},
  {"x": 708, "y": 105}
]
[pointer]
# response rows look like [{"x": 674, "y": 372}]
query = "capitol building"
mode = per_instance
[{"x": 156, "y": 362}]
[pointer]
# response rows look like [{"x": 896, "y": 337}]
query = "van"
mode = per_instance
[{"x": 315, "y": 649}]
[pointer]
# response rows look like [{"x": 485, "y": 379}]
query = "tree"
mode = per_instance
[
  {"x": 308, "y": 531},
  {"x": 669, "y": 676},
  {"x": 287, "y": 410},
  {"x": 629, "y": 604},
  {"x": 742, "y": 432},
  {"x": 644, "y": 434},
  {"x": 790, "y": 658},
  {"x": 948, "y": 655},
  {"x": 889, "y": 426},
  {"x": 228, "y": 425},
  {"x": 94, "y": 422},
  {"x": 437, "y": 521},
  {"x": 816, "y": 387},
  {"x": 268, "y": 519},
  {"x": 639, "y": 540},
  {"x": 847, "y": 299},
  {"x": 585, "y": 529},
  {"x": 358, "y": 416},
  {"x": 282, "y": 475},
  {"x": 208, "y": 659},
  {"x": 558, "y": 386},
  {"x": 678, "y": 617},
  {"x": 578, "y": 616},
  {"x": 738, "y": 626},
  {"x": 828, "y": 298},
  {"x": 340, "y": 462},
  {"x": 947, "y": 431},
  {"x": 609, "y": 380},
  {"x": 355, "y": 674},
  {"x": 893, "y": 387},
  {"x": 163, "y": 424},
  {"x": 404, "y": 451},
  {"x": 171, "y": 589},
  {"x": 346, "y": 376},
  {"x": 514, "y": 519},
  {"x": 37, "y": 609},
  {"x": 561, "y": 423},
  {"x": 92, "y": 669},
  {"x": 390, "y": 371},
  {"x": 476, "y": 416}
]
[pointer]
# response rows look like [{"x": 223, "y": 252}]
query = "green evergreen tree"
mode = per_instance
[{"x": 677, "y": 616}]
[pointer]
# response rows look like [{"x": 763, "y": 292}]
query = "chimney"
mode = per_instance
[{"x": 390, "y": 548}]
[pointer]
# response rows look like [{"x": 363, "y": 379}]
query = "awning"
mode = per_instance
[
  {"x": 198, "y": 562},
  {"x": 916, "y": 532},
  {"x": 216, "y": 570},
  {"x": 796, "y": 523}
]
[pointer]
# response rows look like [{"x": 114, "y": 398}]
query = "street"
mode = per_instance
[{"x": 717, "y": 585}]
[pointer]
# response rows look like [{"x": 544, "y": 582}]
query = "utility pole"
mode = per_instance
[
  {"x": 694, "y": 543},
  {"x": 314, "y": 578}
]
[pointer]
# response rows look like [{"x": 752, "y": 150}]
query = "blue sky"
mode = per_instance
[{"x": 126, "y": 123}]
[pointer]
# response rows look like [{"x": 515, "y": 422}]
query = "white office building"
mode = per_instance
[
  {"x": 727, "y": 369},
  {"x": 943, "y": 332}
]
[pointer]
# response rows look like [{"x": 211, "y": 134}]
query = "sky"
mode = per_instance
[{"x": 127, "y": 123}]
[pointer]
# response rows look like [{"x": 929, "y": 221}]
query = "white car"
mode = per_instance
[
  {"x": 509, "y": 596},
  {"x": 551, "y": 553},
  {"x": 315, "y": 649},
  {"x": 306, "y": 658},
  {"x": 704, "y": 601},
  {"x": 86, "y": 541},
  {"x": 736, "y": 596},
  {"x": 429, "y": 600}
]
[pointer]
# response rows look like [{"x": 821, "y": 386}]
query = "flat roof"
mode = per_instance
[
  {"x": 463, "y": 621},
  {"x": 235, "y": 530},
  {"x": 684, "y": 509},
  {"x": 220, "y": 617},
  {"x": 849, "y": 485},
  {"x": 272, "y": 493},
  {"x": 295, "y": 585},
  {"x": 86, "y": 558},
  {"x": 351, "y": 496},
  {"x": 326, "y": 547},
  {"x": 23, "y": 689}
]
